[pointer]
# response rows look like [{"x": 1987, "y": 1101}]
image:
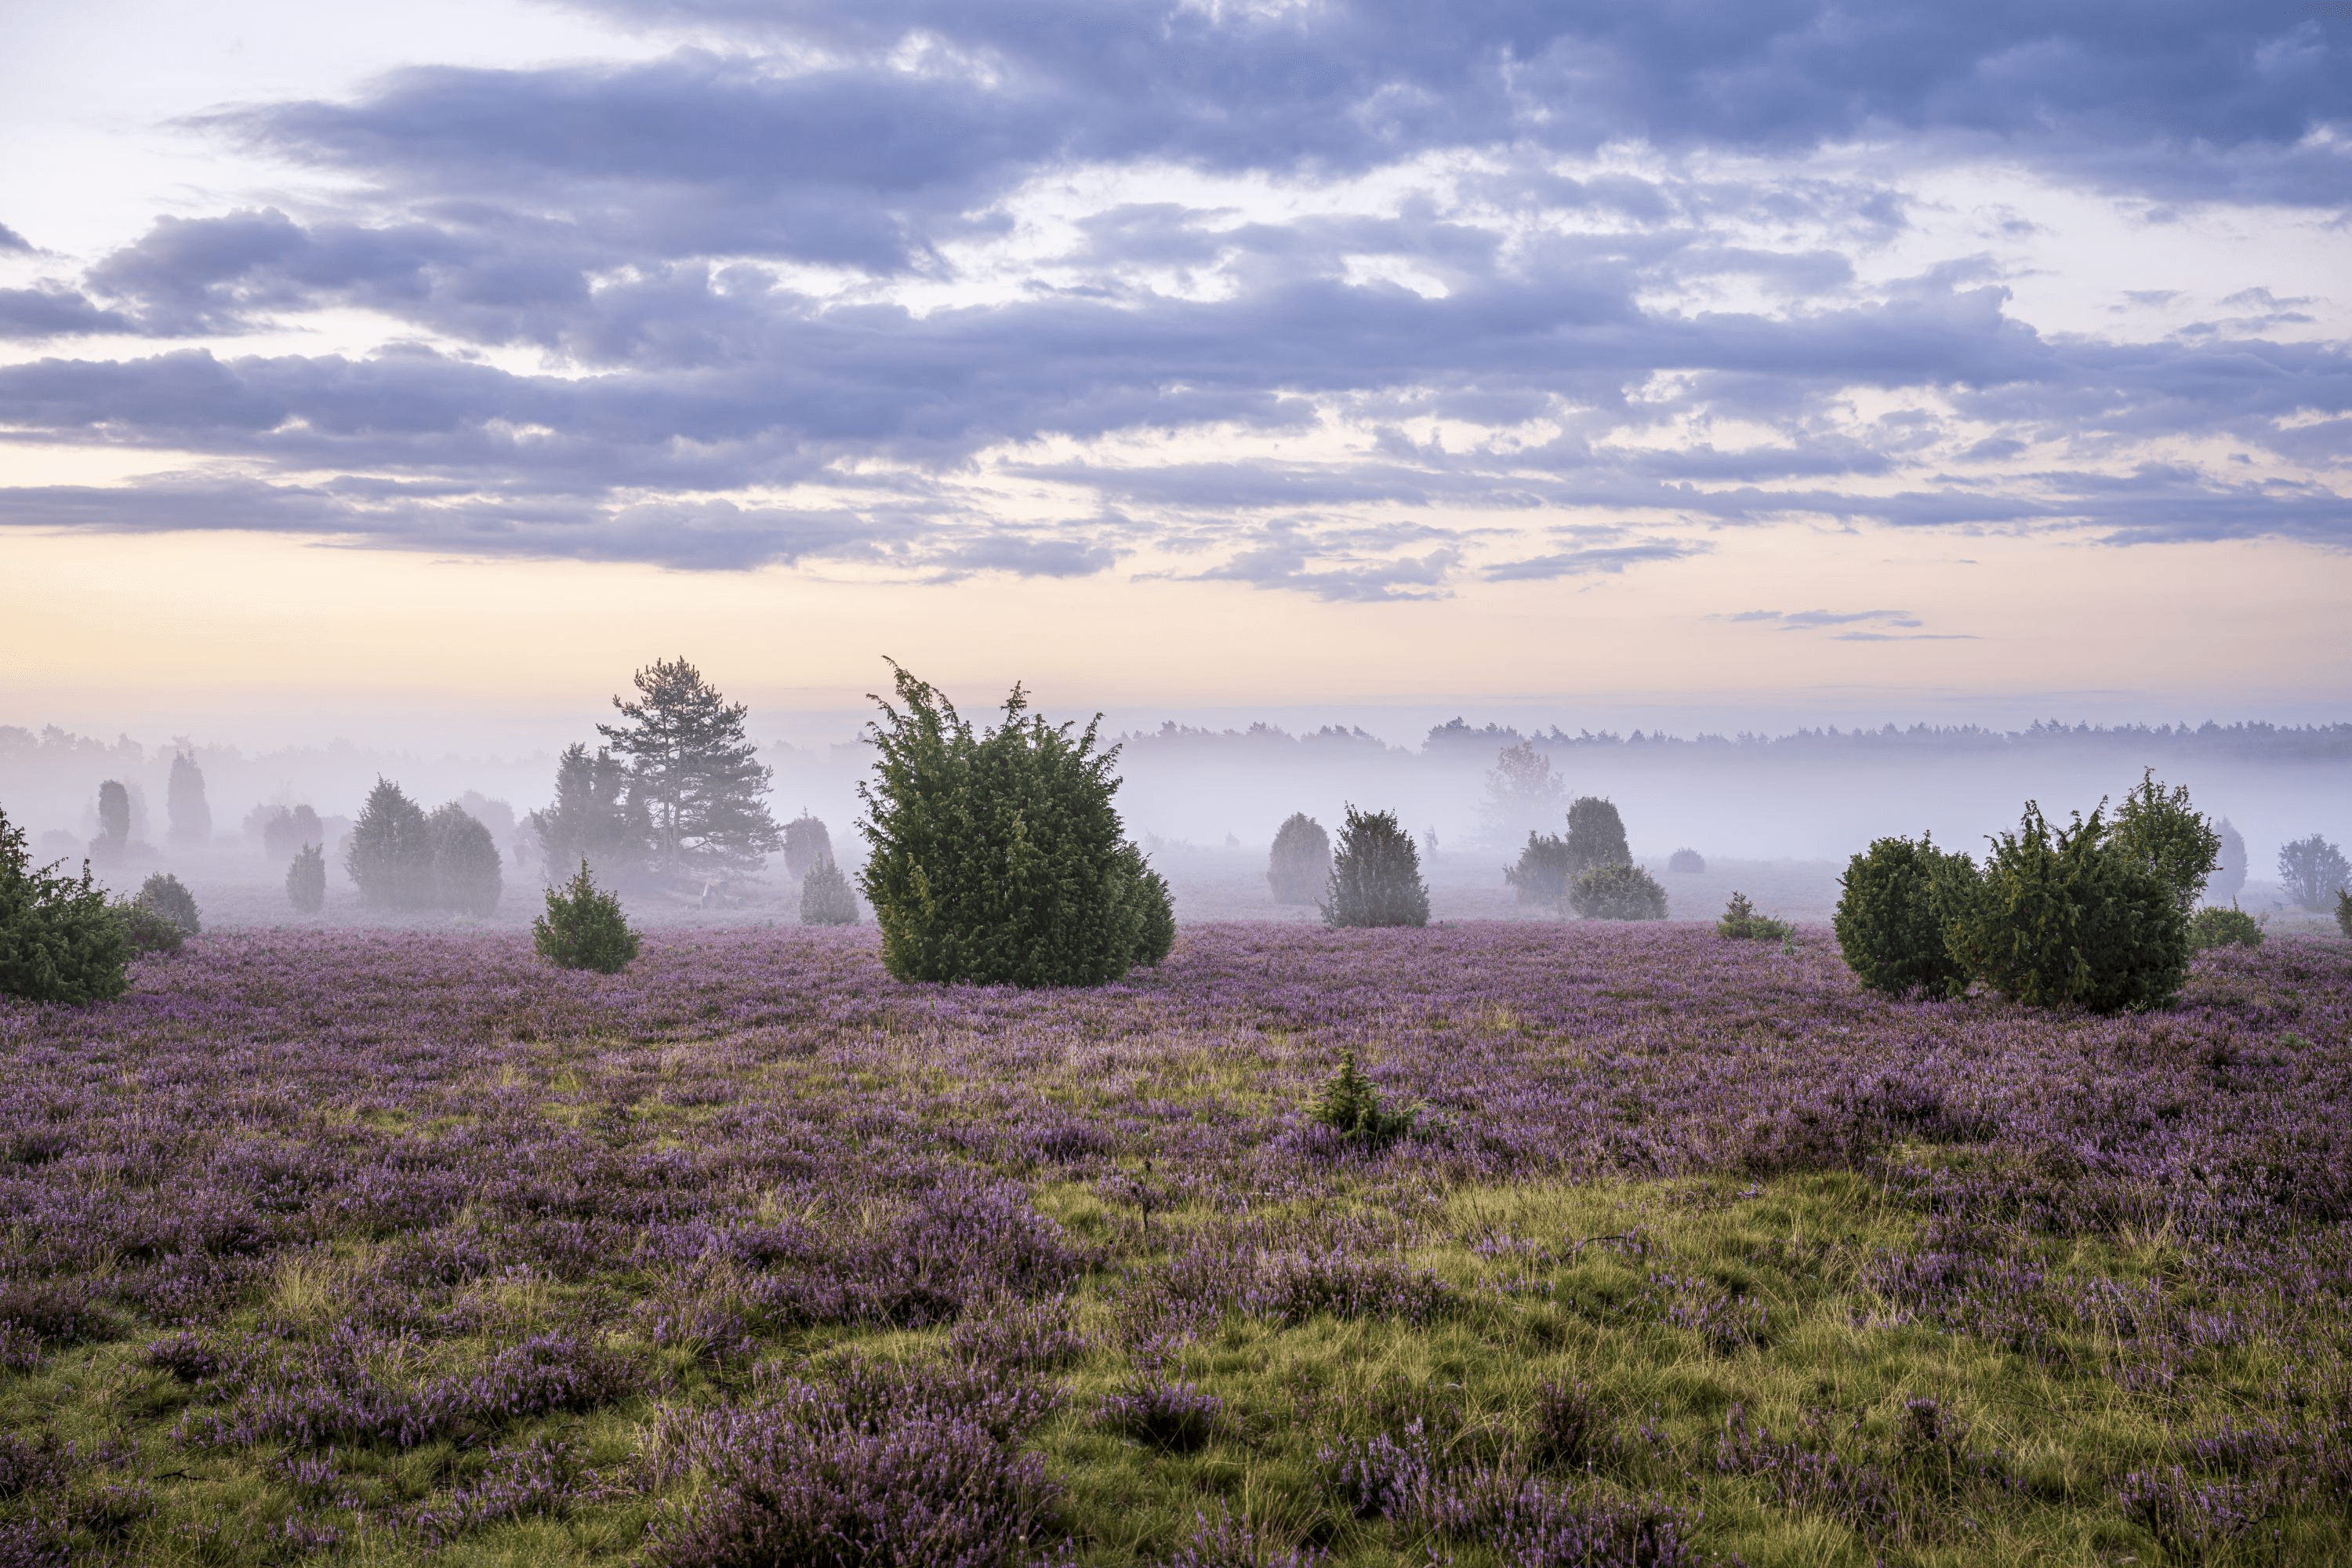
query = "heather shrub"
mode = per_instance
[
  {"x": 58, "y": 940},
  {"x": 1541, "y": 877},
  {"x": 2311, "y": 869},
  {"x": 2064, "y": 916},
  {"x": 583, "y": 928},
  {"x": 806, "y": 844},
  {"x": 1898, "y": 898},
  {"x": 1596, "y": 836},
  {"x": 1173, "y": 1416},
  {"x": 1618, "y": 892},
  {"x": 1687, "y": 862},
  {"x": 999, "y": 858},
  {"x": 167, "y": 896},
  {"x": 827, "y": 897},
  {"x": 1376, "y": 875},
  {"x": 1741, "y": 921},
  {"x": 1349, "y": 1104},
  {"x": 466, "y": 873},
  {"x": 146, "y": 930},
  {"x": 1299, "y": 865},
  {"x": 391, "y": 854},
  {"x": 2157, "y": 827},
  {"x": 2214, "y": 926},
  {"x": 306, "y": 879}
]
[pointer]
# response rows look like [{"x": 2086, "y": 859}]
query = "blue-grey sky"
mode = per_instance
[{"x": 1361, "y": 348}]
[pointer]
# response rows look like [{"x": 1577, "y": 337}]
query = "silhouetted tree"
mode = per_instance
[
  {"x": 807, "y": 842},
  {"x": 1300, "y": 862},
  {"x": 391, "y": 854},
  {"x": 465, "y": 873},
  {"x": 285, "y": 829},
  {"x": 697, "y": 776},
  {"x": 191, "y": 817},
  {"x": 2313, "y": 872},
  {"x": 592, "y": 818},
  {"x": 113, "y": 822},
  {"x": 2229, "y": 877},
  {"x": 1522, "y": 792}
]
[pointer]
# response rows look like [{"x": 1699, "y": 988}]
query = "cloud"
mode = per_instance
[
  {"x": 1604, "y": 559},
  {"x": 1850, "y": 625},
  {"x": 11, "y": 240}
]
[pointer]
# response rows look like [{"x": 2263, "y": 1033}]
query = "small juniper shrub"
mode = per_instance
[
  {"x": 1898, "y": 898},
  {"x": 583, "y": 928},
  {"x": 1543, "y": 875},
  {"x": 827, "y": 898},
  {"x": 1618, "y": 892},
  {"x": 1376, "y": 875},
  {"x": 2214, "y": 926},
  {"x": 306, "y": 879},
  {"x": 58, "y": 940},
  {"x": 1686, "y": 863},
  {"x": 1596, "y": 836},
  {"x": 1300, "y": 863},
  {"x": 2344, "y": 910},
  {"x": 1173, "y": 1416},
  {"x": 169, "y": 896},
  {"x": 807, "y": 842},
  {"x": 145, "y": 930},
  {"x": 1349, "y": 1104},
  {"x": 1741, "y": 921}
]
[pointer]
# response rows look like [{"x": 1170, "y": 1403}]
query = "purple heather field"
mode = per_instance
[{"x": 754, "y": 1135}]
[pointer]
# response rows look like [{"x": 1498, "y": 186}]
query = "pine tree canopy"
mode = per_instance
[{"x": 699, "y": 779}]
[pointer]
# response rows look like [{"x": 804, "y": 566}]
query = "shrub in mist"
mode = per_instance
[
  {"x": 2070, "y": 915},
  {"x": 2313, "y": 872},
  {"x": 807, "y": 842},
  {"x": 1521, "y": 791},
  {"x": 58, "y": 940},
  {"x": 1686, "y": 863},
  {"x": 285, "y": 829},
  {"x": 145, "y": 930},
  {"x": 465, "y": 873},
  {"x": 583, "y": 928},
  {"x": 1891, "y": 916},
  {"x": 2160, "y": 828},
  {"x": 1741, "y": 923},
  {"x": 1542, "y": 876},
  {"x": 2214, "y": 926},
  {"x": 1617, "y": 892},
  {"x": 827, "y": 897},
  {"x": 1300, "y": 862},
  {"x": 593, "y": 817},
  {"x": 695, "y": 773},
  {"x": 2229, "y": 877},
  {"x": 1376, "y": 875},
  {"x": 191, "y": 817},
  {"x": 169, "y": 896},
  {"x": 113, "y": 822},
  {"x": 999, "y": 858},
  {"x": 1596, "y": 836},
  {"x": 306, "y": 879},
  {"x": 391, "y": 854},
  {"x": 2344, "y": 912}
]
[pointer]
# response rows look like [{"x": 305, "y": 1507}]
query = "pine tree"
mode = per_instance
[
  {"x": 191, "y": 819},
  {"x": 592, "y": 818},
  {"x": 697, "y": 778}
]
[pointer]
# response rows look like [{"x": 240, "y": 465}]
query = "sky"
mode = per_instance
[{"x": 1753, "y": 363}]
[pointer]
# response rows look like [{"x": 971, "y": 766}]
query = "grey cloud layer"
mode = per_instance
[{"x": 628, "y": 222}]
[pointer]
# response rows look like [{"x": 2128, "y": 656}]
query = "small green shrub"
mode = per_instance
[
  {"x": 1299, "y": 865},
  {"x": 1376, "y": 875},
  {"x": 999, "y": 859},
  {"x": 2065, "y": 916},
  {"x": 306, "y": 879},
  {"x": 145, "y": 930},
  {"x": 1618, "y": 892},
  {"x": 826, "y": 898},
  {"x": 1349, "y": 1104},
  {"x": 1898, "y": 898},
  {"x": 1541, "y": 877},
  {"x": 2158, "y": 828},
  {"x": 169, "y": 896},
  {"x": 583, "y": 928},
  {"x": 1742, "y": 923},
  {"x": 2214, "y": 926},
  {"x": 58, "y": 940}
]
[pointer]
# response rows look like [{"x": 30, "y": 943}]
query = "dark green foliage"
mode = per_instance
[
  {"x": 694, "y": 772},
  {"x": 1617, "y": 892},
  {"x": 145, "y": 930},
  {"x": 1741, "y": 923},
  {"x": 58, "y": 940},
  {"x": 306, "y": 879},
  {"x": 2214, "y": 926},
  {"x": 1541, "y": 877},
  {"x": 1376, "y": 875},
  {"x": 2158, "y": 828},
  {"x": 583, "y": 928},
  {"x": 807, "y": 842},
  {"x": 465, "y": 873},
  {"x": 593, "y": 817},
  {"x": 1596, "y": 836},
  {"x": 1891, "y": 919},
  {"x": 1300, "y": 863},
  {"x": 2066, "y": 916},
  {"x": 169, "y": 896},
  {"x": 999, "y": 858},
  {"x": 113, "y": 820},
  {"x": 826, "y": 898},
  {"x": 1686, "y": 863},
  {"x": 391, "y": 855},
  {"x": 2311, "y": 869},
  {"x": 1350, "y": 1106},
  {"x": 191, "y": 818}
]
